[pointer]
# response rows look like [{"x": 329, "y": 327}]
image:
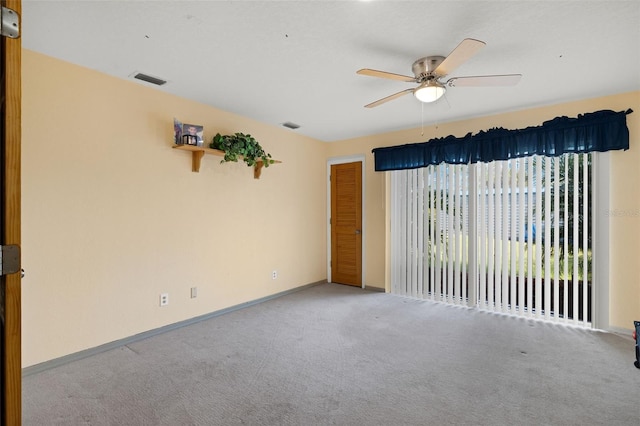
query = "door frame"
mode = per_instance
[
  {"x": 11, "y": 410},
  {"x": 601, "y": 183},
  {"x": 342, "y": 160}
]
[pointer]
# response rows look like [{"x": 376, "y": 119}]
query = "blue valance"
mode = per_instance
[{"x": 597, "y": 131}]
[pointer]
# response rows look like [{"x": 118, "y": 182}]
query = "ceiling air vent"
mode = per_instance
[
  {"x": 291, "y": 125},
  {"x": 149, "y": 79}
]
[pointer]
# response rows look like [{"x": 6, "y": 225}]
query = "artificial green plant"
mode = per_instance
[{"x": 241, "y": 145}]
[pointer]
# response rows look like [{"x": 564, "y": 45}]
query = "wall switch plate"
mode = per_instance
[
  {"x": 164, "y": 299},
  {"x": 194, "y": 292}
]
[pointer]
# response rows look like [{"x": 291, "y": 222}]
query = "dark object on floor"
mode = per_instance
[{"x": 636, "y": 335}]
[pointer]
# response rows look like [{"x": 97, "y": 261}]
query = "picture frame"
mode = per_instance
[
  {"x": 193, "y": 134},
  {"x": 188, "y": 134},
  {"x": 177, "y": 131}
]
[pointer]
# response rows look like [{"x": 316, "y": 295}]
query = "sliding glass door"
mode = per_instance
[{"x": 507, "y": 236}]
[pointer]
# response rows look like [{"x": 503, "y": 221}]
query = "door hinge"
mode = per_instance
[
  {"x": 9, "y": 259},
  {"x": 9, "y": 23},
  {"x": 329, "y": 221}
]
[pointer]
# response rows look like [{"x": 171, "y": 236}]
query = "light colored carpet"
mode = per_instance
[{"x": 337, "y": 355}]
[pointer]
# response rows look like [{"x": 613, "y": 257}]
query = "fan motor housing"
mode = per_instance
[{"x": 423, "y": 68}]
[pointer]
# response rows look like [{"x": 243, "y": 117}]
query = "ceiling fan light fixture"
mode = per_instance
[{"x": 429, "y": 91}]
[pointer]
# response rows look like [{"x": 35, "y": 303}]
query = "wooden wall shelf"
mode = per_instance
[{"x": 198, "y": 152}]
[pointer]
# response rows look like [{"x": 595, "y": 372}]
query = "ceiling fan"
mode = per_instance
[{"x": 431, "y": 70}]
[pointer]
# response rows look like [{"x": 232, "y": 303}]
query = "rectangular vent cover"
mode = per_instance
[
  {"x": 291, "y": 125},
  {"x": 149, "y": 79}
]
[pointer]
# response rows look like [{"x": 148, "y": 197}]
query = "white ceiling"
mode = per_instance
[{"x": 296, "y": 61}]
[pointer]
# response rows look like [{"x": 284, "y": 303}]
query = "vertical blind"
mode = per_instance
[
  {"x": 430, "y": 233},
  {"x": 508, "y": 236}
]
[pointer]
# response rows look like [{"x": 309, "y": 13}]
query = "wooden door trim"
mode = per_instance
[
  {"x": 12, "y": 386},
  {"x": 343, "y": 160}
]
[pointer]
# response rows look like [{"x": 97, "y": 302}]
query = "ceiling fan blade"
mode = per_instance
[
  {"x": 485, "y": 80},
  {"x": 384, "y": 74},
  {"x": 388, "y": 98},
  {"x": 464, "y": 51}
]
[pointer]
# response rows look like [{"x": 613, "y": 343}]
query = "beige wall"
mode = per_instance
[
  {"x": 624, "y": 196},
  {"x": 113, "y": 216}
]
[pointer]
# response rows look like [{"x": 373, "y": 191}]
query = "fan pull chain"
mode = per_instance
[
  {"x": 446, "y": 98},
  {"x": 422, "y": 118}
]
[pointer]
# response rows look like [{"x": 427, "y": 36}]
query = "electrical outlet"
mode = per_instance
[
  {"x": 274, "y": 274},
  {"x": 194, "y": 292},
  {"x": 164, "y": 299}
]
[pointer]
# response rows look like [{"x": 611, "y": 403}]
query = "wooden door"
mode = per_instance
[
  {"x": 346, "y": 223},
  {"x": 10, "y": 135}
]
